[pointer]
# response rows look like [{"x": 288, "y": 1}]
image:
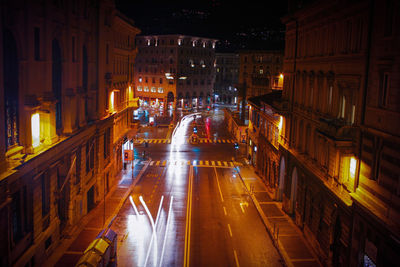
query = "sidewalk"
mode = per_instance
[
  {"x": 285, "y": 234},
  {"x": 70, "y": 249}
]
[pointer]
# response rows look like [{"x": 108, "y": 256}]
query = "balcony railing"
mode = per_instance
[{"x": 336, "y": 129}]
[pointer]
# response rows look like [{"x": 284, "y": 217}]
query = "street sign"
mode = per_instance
[{"x": 128, "y": 154}]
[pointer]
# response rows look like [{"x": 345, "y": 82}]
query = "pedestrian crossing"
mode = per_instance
[
  {"x": 201, "y": 141},
  {"x": 199, "y": 163}
]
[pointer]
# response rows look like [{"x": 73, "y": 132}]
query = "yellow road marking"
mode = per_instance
[
  {"x": 219, "y": 187},
  {"x": 230, "y": 230},
  {"x": 236, "y": 258},
  {"x": 188, "y": 219}
]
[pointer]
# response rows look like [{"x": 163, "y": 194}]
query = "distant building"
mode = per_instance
[
  {"x": 260, "y": 71},
  {"x": 66, "y": 68},
  {"x": 226, "y": 78},
  {"x": 174, "y": 71}
]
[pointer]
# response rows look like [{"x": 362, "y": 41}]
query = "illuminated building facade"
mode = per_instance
[
  {"x": 226, "y": 78},
  {"x": 339, "y": 139},
  {"x": 58, "y": 130},
  {"x": 260, "y": 71},
  {"x": 264, "y": 130},
  {"x": 174, "y": 71}
]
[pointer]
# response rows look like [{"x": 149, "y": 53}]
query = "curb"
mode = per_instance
[
  {"x": 269, "y": 227},
  {"x": 110, "y": 220}
]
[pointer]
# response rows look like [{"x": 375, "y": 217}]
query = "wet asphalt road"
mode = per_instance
[{"x": 206, "y": 217}]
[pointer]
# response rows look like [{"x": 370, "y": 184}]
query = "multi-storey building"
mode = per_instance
[
  {"x": 226, "y": 78},
  {"x": 260, "y": 71},
  {"x": 376, "y": 194},
  {"x": 264, "y": 130},
  {"x": 338, "y": 138},
  {"x": 175, "y": 70},
  {"x": 59, "y": 63}
]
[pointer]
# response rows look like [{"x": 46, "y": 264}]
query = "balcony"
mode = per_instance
[{"x": 336, "y": 129}]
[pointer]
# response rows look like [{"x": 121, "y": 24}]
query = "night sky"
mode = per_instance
[{"x": 238, "y": 25}]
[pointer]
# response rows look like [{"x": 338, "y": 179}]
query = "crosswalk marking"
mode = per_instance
[
  {"x": 202, "y": 163},
  {"x": 201, "y": 140}
]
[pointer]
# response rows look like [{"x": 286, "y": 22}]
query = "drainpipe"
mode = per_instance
[{"x": 365, "y": 88}]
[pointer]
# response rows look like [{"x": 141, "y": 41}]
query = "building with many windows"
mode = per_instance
[
  {"x": 175, "y": 71},
  {"x": 338, "y": 133},
  {"x": 226, "y": 78},
  {"x": 66, "y": 105},
  {"x": 260, "y": 71}
]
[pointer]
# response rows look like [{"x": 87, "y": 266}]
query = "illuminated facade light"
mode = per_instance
[
  {"x": 280, "y": 123},
  {"x": 112, "y": 101},
  {"x": 35, "y": 128},
  {"x": 281, "y": 76},
  {"x": 352, "y": 167}
]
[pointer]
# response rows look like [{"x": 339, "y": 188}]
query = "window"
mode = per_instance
[
  {"x": 45, "y": 181},
  {"x": 78, "y": 166},
  {"x": 19, "y": 219},
  {"x": 146, "y": 89},
  {"x": 385, "y": 83},
  {"x": 388, "y": 18},
  {"x": 89, "y": 156},
  {"x": 153, "y": 89},
  {"x": 343, "y": 107},
  {"x": 160, "y": 90},
  {"x": 107, "y": 52},
  {"x": 107, "y": 138},
  {"x": 330, "y": 93},
  {"x": 36, "y": 33},
  {"x": 139, "y": 89}
]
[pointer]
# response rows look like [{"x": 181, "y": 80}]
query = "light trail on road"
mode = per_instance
[
  {"x": 152, "y": 224},
  {"x": 166, "y": 230}
]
